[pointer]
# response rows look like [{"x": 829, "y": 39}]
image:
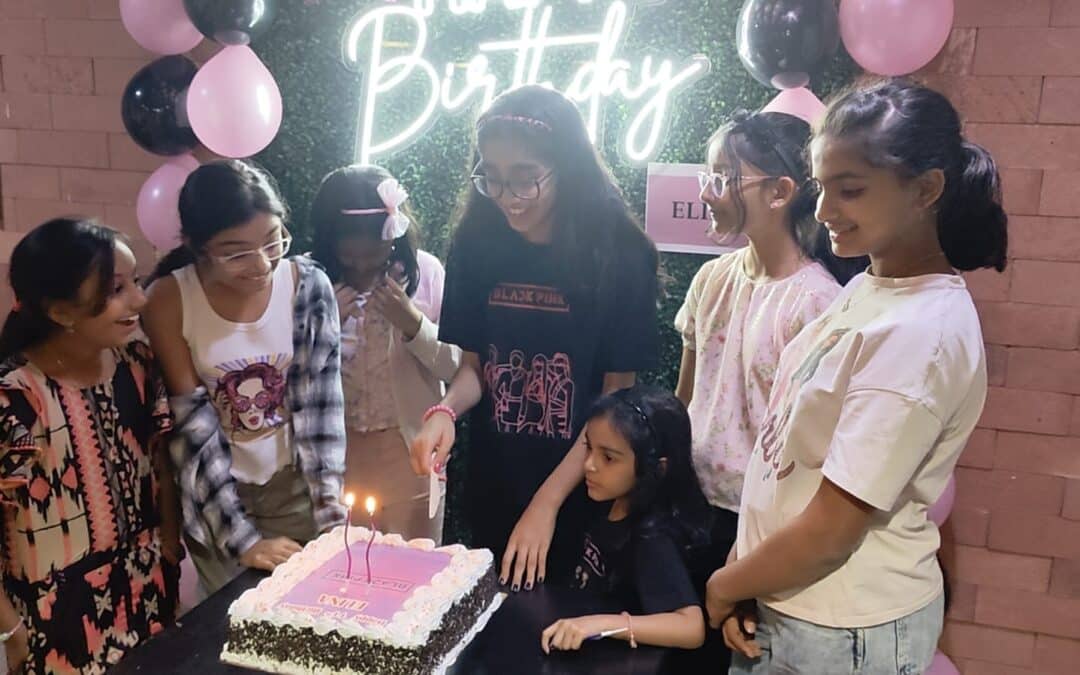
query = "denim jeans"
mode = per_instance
[{"x": 902, "y": 647}]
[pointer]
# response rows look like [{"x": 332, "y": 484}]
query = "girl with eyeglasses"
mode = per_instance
[
  {"x": 389, "y": 295},
  {"x": 743, "y": 307},
  {"x": 249, "y": 344},
  {"x": 551, "y": 293}
]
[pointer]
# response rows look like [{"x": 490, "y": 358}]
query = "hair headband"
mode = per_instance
[
  {"x": 393, "y": 196},
  {"x": 620, "y": 396},
  {"x": 752, "y": 124},
  {"x": 520, "y": 119}
]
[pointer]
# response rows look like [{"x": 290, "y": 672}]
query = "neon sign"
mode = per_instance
[{"x": 650, "y": 83}]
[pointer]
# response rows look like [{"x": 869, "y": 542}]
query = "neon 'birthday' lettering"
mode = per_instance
[{"x": 651, "y": 82}]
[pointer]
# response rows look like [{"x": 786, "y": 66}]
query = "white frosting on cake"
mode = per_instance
[{"x": 409, "y": 628}]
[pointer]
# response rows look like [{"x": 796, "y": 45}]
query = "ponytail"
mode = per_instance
[
  {"x": 178, "y": 258},
  {"x": 972, "y": 225}
]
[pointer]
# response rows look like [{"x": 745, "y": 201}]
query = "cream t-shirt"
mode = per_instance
[
  {"x": 879, "y": 395},
  {"x": 737, "y": 328}
]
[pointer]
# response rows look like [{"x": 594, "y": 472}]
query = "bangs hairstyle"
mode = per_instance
[{"x": 352, "y": 188}]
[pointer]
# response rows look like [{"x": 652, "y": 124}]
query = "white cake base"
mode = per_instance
[{"x": 291, "y": 668}]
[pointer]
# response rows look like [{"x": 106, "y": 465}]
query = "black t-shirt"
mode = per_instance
[
  {"x": 544, "y": 356},
  {"x": 644, "y": 573}
]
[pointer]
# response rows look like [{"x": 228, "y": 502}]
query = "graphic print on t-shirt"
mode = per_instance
[
  {"x": 530, "y": 297},
  {"x": 536, "y": 398},
  {"x": 774, "y": 429},
  {"x": 250, "y": 393},
  {"x": 592, "y": 563}
]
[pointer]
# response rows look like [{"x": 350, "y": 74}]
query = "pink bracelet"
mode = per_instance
[
  {"x": 440, "y": 409},
  {"x": 630, "y": 627}
]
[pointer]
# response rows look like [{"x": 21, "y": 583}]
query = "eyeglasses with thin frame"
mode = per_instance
[
  {"x": 528, "y": 189},
  {"x": 273, "y": 252},
  {"x": 718, "y": 183}
]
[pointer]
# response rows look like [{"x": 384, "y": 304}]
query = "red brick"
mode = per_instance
[
  {"x": 977, "y": 667},
  {"x": 125, "y": 154},
  {"x": 997, "y": 490},
  {"x": 1034, "y": 534},
  {"x": 104, "y": 9},
  {"x": 1024, "y": 610},
  {"x": 1060, "y": 103},
  {"x": 122, "y": 218},
  {"x": 1065, "y": 578},
  {"x": 1020, "y": 325},
  {"x": 1018, "y": 410},
  {"x": 987, "y": 284},
  {"x": 32, "y": 212},
  {"x": 1074, "y": 428},
  {"x": 1071, "y": 508},
  {"x": 7, "y": 221},
  {"x": 31, "y": 182},
  {"x": 983, "y": 568},
  {"x": 1056, "y": 656},
  {"x": 962, "y": 600},
  {"x": 22, "y": 36},
  {"x": 997, "y": 360},
  {"x": 989, "y": 99},
  {"x": 1044, "y": 370},
  {"x": 25, "y": 111},
  {"x": 1058, "y": 195},
  {"x": 1065, "y": 13},
  {"x": 40, "y": 9},
  {"x": 87, "y": 113},
  {"x": 979, "y": 451},
  {"x": 1030, "y": 146},
  {"x": 1027, "y": 51},
  {"x": 1043, "y": 238},
  {"x": 1002, "y": 13},
  {"x": 74, "y": 37},
  {"x": 64, "y": 148},
  {"x": 111, "y": 76},
  {"x": 965, "y": 640},
  {"x": 110, "y": 187},
  {"x": 1021, "y": 189},
  {"x": 1035, "y": 453},
  {"x": 957, "y": 55},
  {"x": 1045, "y": 283},
  {"x": 48, "y": 74},
  {"x": 970, "y": 525},
  {"x": 9, "y": 146}
]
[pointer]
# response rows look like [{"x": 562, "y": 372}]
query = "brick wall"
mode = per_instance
[{"x": 1013, "y": 69}]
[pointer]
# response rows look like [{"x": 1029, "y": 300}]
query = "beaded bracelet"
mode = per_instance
[
  {"x": 440, "y": 409},
  {"x": 4, "y": 637}
]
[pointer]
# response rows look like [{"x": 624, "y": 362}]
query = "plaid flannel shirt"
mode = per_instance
[{"x": 213, "y": 515}]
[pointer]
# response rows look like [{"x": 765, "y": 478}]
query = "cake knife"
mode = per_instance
[{"x": 436, "y": 490}]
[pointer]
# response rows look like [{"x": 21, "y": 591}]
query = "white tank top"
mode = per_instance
[{"x": 244, "y": 368}]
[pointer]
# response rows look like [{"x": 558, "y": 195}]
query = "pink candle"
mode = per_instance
[
  {"x": 369, "y": 504},
  {"x": 349, "y": 501}
]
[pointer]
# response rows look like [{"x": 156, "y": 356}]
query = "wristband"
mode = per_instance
[
  {"x": 433, "y": 410},
  {"x": 630, "y": 627}
]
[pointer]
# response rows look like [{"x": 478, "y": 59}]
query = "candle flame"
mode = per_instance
[
  {"x": 350, "y": 499},
  {"x": 369, "y": 505}
]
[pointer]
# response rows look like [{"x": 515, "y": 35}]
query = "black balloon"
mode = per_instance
[
  {"x": 785, "y": 43},
  {"x": 152, "y": 106},
  {"x": 232, "y": 22}
]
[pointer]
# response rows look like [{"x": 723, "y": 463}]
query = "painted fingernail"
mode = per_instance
[
  {"x": 540, "y": 580},
  {"x": 516, "y": 588},
  {"x": 502, "y": 581},
  {"x": 528, "y": 586}
]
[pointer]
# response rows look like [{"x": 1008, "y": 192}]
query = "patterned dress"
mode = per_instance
[{"x": 80, "y": 552}]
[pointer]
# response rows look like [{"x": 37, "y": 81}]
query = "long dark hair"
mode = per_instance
[
  {"x": 50, "y": 264},
  {"x": 777, "y": 143},
  {"x": 667, "y": 495},
  {"x": 217, "y": 196},
  {"x": 590, "y": 215},
  {"x": 356, "y": 187},
  {"x": 911, "y": 129}
]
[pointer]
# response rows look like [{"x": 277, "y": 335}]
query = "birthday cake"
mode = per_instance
[{"x": 317, "y": 613}]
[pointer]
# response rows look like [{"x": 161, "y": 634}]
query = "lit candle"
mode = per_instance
[
  {"x": 369, "y": 504},
  {"x": 349, "y": 501}
]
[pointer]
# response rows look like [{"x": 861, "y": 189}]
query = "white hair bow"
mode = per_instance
[{"x": 393, "y": 196}]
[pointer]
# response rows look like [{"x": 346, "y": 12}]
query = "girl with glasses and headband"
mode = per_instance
[
  {"x": 551, "y": 293},
  {"x": 248, "y": 340},
  {"x": 744, "y": 307},
  {"x": 389, "y": 295}
]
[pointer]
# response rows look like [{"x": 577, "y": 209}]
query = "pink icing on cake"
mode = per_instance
[{"x": 395, "y": 572}]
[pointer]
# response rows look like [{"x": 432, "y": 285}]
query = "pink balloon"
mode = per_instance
[
  {"x": 800, "y": 102},
  {"x": 234, "y": 104},
  {"x": 941, "y": 665},
  {"x": 161, "y": 26},
  {"x": 895, "y": 37},
  {"x": 157, "y": 207},
  {"x": 939, "y": 511}
]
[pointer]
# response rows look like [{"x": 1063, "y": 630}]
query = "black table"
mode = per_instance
[{"x": 509, "y": 644}]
